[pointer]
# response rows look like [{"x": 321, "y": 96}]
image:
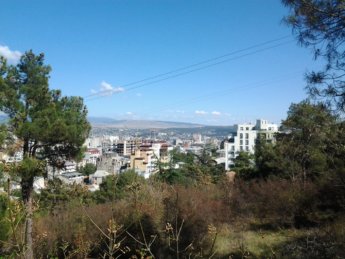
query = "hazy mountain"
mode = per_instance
[
  {"x": 138, "y": 124},
  {"x": 103, "y": 120},
  {"x": 131, "y": 124}
]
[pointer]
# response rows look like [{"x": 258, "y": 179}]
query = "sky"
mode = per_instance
[{"x": 213, "y": 62}]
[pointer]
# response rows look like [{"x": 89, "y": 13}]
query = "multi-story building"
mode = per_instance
[
  {"x": 91, "y": 156},
  {"x": 127, "y": 147},
  {"x": 266, "y": 130},
  {"x": 243, "y": 138},
  {"x": 113, "y": 163},
  {"x": 145, "y": 158}
]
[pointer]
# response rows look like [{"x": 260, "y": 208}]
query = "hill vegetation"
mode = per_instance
[{"x": 286, "y": 201}]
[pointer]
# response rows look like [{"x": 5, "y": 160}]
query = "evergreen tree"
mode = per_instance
[
  {"x": 88, "y": 169},
  {"x": 320, "y": 25},
  {"x": 309, "y": 131},
  {"x": 267, "y": 159},
  {"x": 50, "y": 127},
  {"x": 244, "y": 165}
]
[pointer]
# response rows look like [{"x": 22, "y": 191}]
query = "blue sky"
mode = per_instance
[{"x": 97, "y": 48}]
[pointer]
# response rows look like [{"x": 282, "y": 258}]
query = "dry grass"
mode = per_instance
[{"x": 233, "y": 239}]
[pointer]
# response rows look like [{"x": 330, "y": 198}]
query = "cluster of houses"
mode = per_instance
[{"x": 112, "y": 155}]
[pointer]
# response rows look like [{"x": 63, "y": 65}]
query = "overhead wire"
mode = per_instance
[
  {"x": 228, "y": 91},
  {"x": 102, "y": 94}
]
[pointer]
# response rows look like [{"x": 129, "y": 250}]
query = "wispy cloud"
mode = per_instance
[
  {"x": 129, "y": 113},
  {"x": 215, "y": 113},
  {"x": 106, "y": 89},
  {"x": 197, "y": 112},
  {"x": 12, "y": 56}
]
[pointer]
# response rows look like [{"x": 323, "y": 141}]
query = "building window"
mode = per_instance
[
  {"x": 247, "y": 128},
  {"x": 247, "y": 135},
  {"x": 241, "y": 142},
  {"x": 241, "y": 148},
  {"x": 247, "y": 142},
  {"x": 241, "y": 128},
  {"x": 241, "y": 135},
  {"x": 247, "y": 148}
]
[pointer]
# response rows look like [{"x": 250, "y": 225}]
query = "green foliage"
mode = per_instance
[
  {"x": 308, "y": 134},
  {"x": 48, "y": 126},
  {"x": 244, "y": 165},
  {"x": 51, "y": 127},
  {"x": 1, "y": 173},
  {"x": 30, "y": 167},
  {"x": 172, "y": 176},
  {"x": 309, "y": 145},
  {"x": 173, "y": 172},
  {"x": 190, "y": 169},
  {"x": 47, "y": 123},
  {"x": 87, "y": 169},
  {"x": 267, "y": 159},
  {"x": 117, "y": 186},
  {"x": 3, "y": 134},
  {"x": 320, "y": 25},
  {"x": 58, "y": 195},
  {"x": 179, "y": 157},
  {"x": 206, "y": 168},
  {"x": 4, "y": 224}
]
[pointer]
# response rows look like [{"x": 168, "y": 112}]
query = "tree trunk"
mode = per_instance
[{"x": 27, "y": 188}]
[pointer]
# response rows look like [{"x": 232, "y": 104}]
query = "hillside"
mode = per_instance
[{"x": 101, "y": 122}]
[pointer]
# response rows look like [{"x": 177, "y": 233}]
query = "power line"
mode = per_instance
[
  {"x": 228, "y": 91},
  {"x": 99, "y": 94}
]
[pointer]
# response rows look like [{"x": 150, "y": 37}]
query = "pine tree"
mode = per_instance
[{"x": 50, "y": 127}]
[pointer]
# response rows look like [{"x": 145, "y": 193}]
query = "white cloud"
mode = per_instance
[
  {"x": 129, "y": 113},
  {"x": 215, "y": 113},
  {"x": 200, "y": 112},
  {"x": 12, "y": 56},
  {"x": 107, "y": 89},
  {"x": 106, "y": 86}
]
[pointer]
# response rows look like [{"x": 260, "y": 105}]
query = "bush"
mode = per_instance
[{"x": 272, "y": 203}]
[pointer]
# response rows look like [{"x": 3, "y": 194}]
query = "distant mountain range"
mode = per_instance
[{"x": 102, "y": 122}]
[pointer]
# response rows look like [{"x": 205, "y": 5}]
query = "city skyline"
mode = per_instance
[{"x": 211, "y": 63}]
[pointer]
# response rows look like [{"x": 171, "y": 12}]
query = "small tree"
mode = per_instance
[
  {"x": 309, "y": 134},
  {"x": 244, "y": 165},
  {"x": 87, "y": 169},
  {"x": 50, "y": 127},
  {"x": 268, "y": 161}
]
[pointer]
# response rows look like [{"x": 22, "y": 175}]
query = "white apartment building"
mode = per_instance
[
  {"x": 243, "y": 138},
  {"x": 266, "y": 130}
]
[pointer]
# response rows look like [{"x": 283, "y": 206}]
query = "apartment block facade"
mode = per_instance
[{"x": 243, "y": 139}]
